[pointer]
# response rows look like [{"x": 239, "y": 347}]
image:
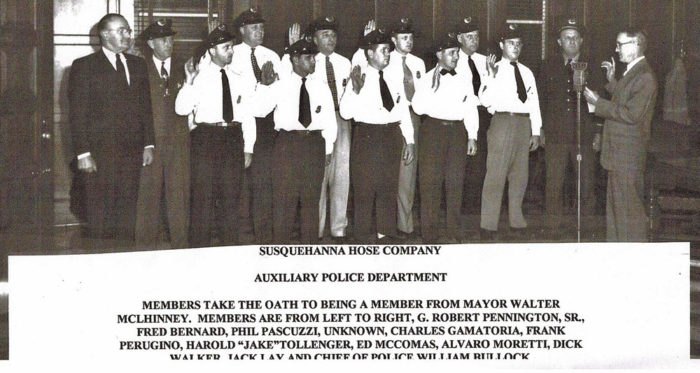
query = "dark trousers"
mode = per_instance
[
  {"x": 557, "y": 156},
  {"x": 168, "y": 176},
  {"x": 299, "y": 158},
  {"x": 442, "y": 155},
  {"x": 374, "y": 171},
  {"x": 625, "y": 214},
  {"x": 217, "y": 175},
  {"x": 476, "y": 166},
  {"x": 112, "y": 191},
  {"x": 261, "y": 179}
]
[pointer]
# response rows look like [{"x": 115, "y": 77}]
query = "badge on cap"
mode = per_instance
[
  {"x": 162, "y": 22},
  {"x": 253, "y": 9},
  {"x": 330, "y": 19},
  {"x": 452, "y": 35},
  {"x": 468, "y": 20},
  {"x": 512, "y": 27},
  {"x": 572, "y": 21},
  {"x": 221, "y": 27},
  {"x": 404, "y": 20}
]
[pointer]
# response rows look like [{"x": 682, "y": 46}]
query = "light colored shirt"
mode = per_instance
[
  {"x": 359, "y": 58},
  {"x": 341, "y": 70},
  {"x": 453, "y": 100},
  {"x": 501, "y": 93},
  {"x": 283, "y": 96},
  {"x": 241, "y": 64},
  {"x": 159, "y": 63},
  {"x": 367, "y": 105},
  {"x": 203, "y": 97},
  {"x": 112, "y": 57},
  {"x": 632, "y": 63},
  {"x": 465, "y": 72},
  {"x": 415, "y": 64}
]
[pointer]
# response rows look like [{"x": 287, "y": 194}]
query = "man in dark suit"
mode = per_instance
[
  {"x": 626, "y": 135},
  {"x": 170, "y": 172},
  {"x": 558, "y": 104},
  {"x": 112, "y": 128}
]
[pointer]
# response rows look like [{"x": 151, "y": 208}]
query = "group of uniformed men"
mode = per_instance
[{"x": 309, "y": 125}]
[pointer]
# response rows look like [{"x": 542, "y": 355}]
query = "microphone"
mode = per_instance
[{"x": 579, "y": 75}]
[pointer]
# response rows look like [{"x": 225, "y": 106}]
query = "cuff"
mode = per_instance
[{"x": 83, "y": 155}]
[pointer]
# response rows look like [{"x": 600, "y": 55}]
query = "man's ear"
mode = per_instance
[
  {"x": 500, "y": 44},
  {"x": 150, "y": 43}
]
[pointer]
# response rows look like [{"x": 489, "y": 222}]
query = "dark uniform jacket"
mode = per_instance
[
  {"x": 163, "y": 100},
  {"x": 558, "y": 102}
]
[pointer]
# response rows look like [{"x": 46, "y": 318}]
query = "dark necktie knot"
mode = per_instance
[
  {"x": 445, "y": 72},
  {"x": 121, "y": 70},
  {"x": 513, "y": 63}
]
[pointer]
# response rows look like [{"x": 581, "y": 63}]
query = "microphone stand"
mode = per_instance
[{"x": 579, "y": 79}]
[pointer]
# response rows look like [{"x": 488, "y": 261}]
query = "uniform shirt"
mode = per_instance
[
  {"x": 367, "y": 105},
  {"x": 283, "y": 97},
  {"x": 159, "y": 63},
  {"x": 203, "y": 97},
  {"x": 415, "y": 64},
  {"x": 341, "y": 70},
  {"x": 466, "y": 73},
  {"x": 359, "y": 58},
  {"x": 453, "y": 100},
  {"x": 501, "y": 93},
  {"x": 242, "y": 65}
]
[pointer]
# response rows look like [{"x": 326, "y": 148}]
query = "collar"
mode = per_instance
[
  {"x": 634, "y": 62},
  {"x": 462, "y": 54},
  {"x": 111, "y": 56},
  {"x": 575, "y": 59},
  {"x": 159, "y": 62},
  {"x": 248, "y": 47},
  {"x": 397, "y": 54}
]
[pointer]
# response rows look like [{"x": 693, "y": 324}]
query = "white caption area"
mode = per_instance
[{"x": 618, "y": 306}]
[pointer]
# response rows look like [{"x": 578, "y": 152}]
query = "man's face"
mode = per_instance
[
  {"x": 626, "y": 47},
  {"x": 378, "y": 56},
  {"x": 326, "y": 40},
  {"x": 469, "y": 41},
  {"x": 570, "y": 42},
  {"x": 403, "y": 42},
  {"x": 304, "y": 64},
  {"x": 511, "y": 48},
  {"x": 117, "y": 36},
  {"x": 253, "y": 34},
  {"x": 162, "y": 47},
  {"x": 447, "y": 58},
  {"x": 222, "y": 54}
]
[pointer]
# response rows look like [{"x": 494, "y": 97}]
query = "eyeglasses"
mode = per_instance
[
  {"x": 619, "y": 45},
  {"x": 123, "y": 31}
]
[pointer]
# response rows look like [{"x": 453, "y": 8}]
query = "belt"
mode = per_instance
[
  {"x": 304, "y": 133},
  {"x": 524, "y": 115},
  {"x": 220, "y": 124},
  {"x": 389, "y": 125},
  {"x": 447, "y": 122}
]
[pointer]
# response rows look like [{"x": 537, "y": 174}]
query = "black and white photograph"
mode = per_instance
[{"x": 209, "y": 180}]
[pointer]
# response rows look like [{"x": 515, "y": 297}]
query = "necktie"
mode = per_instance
[
  {"x": 163, "y": 71},
  {"x": 227, "y": 105},
  {"x": 304, "y": 105},
  {"x": 256, "y": 67},
  {"x": 445, "y": 72},
  {"x": 121, "y": 71},
  {"x": 387, "y": 101},
  {"x": 476, "y": 78},
  {"x": 330, "y": 76},
  {"x": 408, "y": 85},
  {"x": 519, "y": 82}
]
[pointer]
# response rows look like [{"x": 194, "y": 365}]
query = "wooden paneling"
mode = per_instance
[
  {"x": 389, "y": 13},
  {"x": 352, "y": 15},
  {"x": 279, "y": 15}
]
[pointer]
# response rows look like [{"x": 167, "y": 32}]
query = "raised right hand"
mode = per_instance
[
  {"x": 609, "y": 67},
  {"x": 491, "y": 65},
  {"x": 191, "y": 70},
  {"x": 294, "y": 33},
  {"x": 358, "y": 79},
  {"x": 370, "y": 26},
  {"x": 87, "y": 164}
]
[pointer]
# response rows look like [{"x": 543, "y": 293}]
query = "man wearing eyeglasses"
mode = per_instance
[
  {"x": 112, "y": 129},
  {"x": 626, "y": 134}
]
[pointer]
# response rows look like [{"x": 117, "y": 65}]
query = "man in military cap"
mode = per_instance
[
  {"x": 250, "y": 57},
  {"x": 170, "y": 172},
  {"x": 222, "y": 141},
  {"x": 410, "y": 68},
  {"x": 559, "y": 123},
  {"x": 112, "y": 128},
  {"x": 509, "y": 93},
  {"x": 380, "y": 109},
  {"x": 447, "y": 135},
  {"x": 305, "y": 120},
  {"x": 472, "y": 68}
]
